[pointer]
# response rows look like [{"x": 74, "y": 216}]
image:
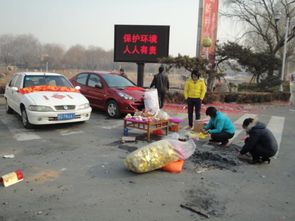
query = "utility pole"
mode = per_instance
[
  {"x": 199, "y": 33},
  {"x": 285, "y": 52}
]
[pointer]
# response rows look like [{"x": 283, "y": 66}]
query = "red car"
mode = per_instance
[{"x": 110, "y": 92}]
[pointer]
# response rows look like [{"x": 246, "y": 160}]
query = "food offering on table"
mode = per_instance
[{"x": 146, "y": 116}]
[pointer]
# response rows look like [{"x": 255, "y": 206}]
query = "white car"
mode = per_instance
[{"x": 45, "y": 98}]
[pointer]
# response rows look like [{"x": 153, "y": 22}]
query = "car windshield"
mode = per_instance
[
  {"x": 52, "y": 80},
  {"x": 117, "y": 81}
]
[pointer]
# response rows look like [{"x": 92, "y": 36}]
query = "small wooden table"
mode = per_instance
[{"x": 148, "y": 126}]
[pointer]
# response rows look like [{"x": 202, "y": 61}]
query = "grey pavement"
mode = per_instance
[{"x": 76, "y": 172}]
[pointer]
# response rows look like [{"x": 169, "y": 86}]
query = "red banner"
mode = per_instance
[{"x": 209, "y": 28}]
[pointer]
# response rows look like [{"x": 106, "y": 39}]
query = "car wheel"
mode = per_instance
[
  {"x": 113, "y": 109},
  {"x": 25, "y": 119},
  {"x": 8, "y": 108}
]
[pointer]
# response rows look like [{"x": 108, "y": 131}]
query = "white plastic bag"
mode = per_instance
[
  {"x": 163, "y": 115},
  {"x": 184, "y": 148},
  {"x": 151, "y": 101}
]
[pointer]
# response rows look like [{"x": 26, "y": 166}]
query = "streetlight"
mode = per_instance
[{"x": 45, "y": 57}]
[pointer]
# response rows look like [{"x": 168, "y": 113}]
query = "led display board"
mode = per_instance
[{"x": 141, "y": 43}]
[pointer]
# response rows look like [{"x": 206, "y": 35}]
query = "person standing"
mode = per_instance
[
  {"x": 122, "y": 73},
  {"x": 292, "y": 90},
  {"x": 220, "y": 127},
  {"x": 194, "y": 93},
  {"x": 161, "y": 83},
  {"x": 260, "y": 143}
]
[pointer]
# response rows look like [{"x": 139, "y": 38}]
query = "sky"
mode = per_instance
[{"x": 91, "y": 22}]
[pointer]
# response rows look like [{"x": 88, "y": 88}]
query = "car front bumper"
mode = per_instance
[{"x": 40, "y": 118}]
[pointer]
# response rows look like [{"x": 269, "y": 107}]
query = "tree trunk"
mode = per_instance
[{"x": 210, "y": 82}]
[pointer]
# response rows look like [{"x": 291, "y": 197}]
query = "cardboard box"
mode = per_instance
[
  {"x": 128, "y": 139},
  {"x": 199, "y": 124}
]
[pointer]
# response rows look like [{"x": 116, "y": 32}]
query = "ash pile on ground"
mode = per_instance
[
  {"x": 214, "y": 156},
  {"x": 205, "y": 201}
]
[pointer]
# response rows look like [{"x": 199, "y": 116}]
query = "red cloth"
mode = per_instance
[{"x": 158, "y": 132}]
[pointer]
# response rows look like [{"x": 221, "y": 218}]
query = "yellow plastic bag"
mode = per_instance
[
  {"x": 158, "y": 154},
  {"x": 151, "y": 157}
]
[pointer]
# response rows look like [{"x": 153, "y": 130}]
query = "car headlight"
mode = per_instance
[
  {"x": 83, "y": 106},
  {"x": 125, "y": 96},
  {"x": 40, "y": 108}
]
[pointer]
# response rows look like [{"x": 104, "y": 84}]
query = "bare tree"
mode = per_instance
[
  {"x": 264, "y": 25},
  {"x": 6, "y": 48},
  {"x": 53, "y": 54},
  {"x": 98, "y": 59},
  {"x": 26, "y": 51},
  {"x": 74, "y": 57}
]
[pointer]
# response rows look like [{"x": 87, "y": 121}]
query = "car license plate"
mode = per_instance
[{"x": 65, "y": 116}]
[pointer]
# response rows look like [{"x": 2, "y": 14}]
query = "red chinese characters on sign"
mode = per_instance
[
  {"x": 144, "y": 38},
  {"x": 209, "y": 28},
  {"x": 141, "y": 44}
]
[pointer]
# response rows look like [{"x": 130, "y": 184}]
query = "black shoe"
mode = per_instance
[
  {"x": 213, "y": 141},
  {"x": 261, "y": 160},
  {"x": 266, "y": 160},
  {"x": 225, "y": 144},
  {"x": 256, "y": 161}
]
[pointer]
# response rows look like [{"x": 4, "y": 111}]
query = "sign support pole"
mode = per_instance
[
  {"x": 199, "y": 33},
  {"x": 140, "y": 72}
]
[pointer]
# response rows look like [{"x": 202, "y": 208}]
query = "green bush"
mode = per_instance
[
  {"x": 282, "y": 96},
  {"x": 248, "y": 87},
  {"x": 175, "y": 97},
  {"x": 233, "y": 97},
  {"x": 212, "y": 97},
  {"x": 264, "y": 86}
]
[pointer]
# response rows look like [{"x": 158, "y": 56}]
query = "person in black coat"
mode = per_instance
[
  {"x": 161, "y": 82},
  {"x": 260, "y": 143}
]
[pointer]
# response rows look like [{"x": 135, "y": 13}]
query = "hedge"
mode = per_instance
[{"x": 230, "y": 97}]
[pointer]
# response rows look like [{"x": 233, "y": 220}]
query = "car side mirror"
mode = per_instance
[
  {"x": 98, "y": 85},
  {"x": 78, "y": 87}
]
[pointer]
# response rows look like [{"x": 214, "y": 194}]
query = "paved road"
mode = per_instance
[{"x": 76, "y": 172}]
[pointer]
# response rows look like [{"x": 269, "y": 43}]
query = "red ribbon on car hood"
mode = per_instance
[{"x": 27, "y": 90}]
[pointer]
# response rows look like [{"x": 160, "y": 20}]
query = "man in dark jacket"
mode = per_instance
[
  {"x": 122, "y": 73},
  {"x": 161, "y": 82},
  {"x": 260, "y": 143}
]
